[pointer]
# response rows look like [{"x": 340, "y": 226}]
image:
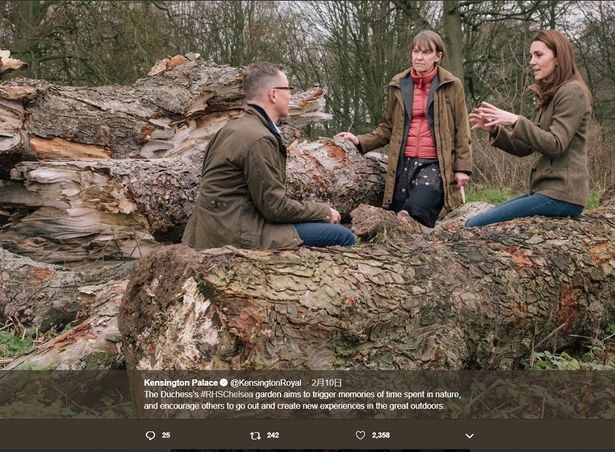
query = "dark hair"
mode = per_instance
[
  {"x": 259, "y": 77},
  {"x": 565, "y": 68},
  {"x": 430, "y": 40}
]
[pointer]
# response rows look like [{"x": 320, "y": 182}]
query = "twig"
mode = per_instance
[{"x": 550, "y": 334}]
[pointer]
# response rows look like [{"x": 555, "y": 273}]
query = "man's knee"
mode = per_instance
[
  {"x": 341, "y": 235},
  {"x": 325, "y": 234}
]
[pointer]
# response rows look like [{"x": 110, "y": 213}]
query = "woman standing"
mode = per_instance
[
  {"x": 559, "y": 181},
  {"x": 425, "y": 123}
]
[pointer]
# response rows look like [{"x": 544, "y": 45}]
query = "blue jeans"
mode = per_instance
[
  {"x": 325, "y": 234},
  {"x": 525, "y": 206}
]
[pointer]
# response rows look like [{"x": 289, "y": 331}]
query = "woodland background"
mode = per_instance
[{"x": 352, "y": 48}]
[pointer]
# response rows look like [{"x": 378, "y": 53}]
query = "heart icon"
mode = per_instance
[{"x": 360, "y": 434}]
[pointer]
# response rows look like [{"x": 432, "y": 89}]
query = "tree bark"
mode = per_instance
[
  {"x": 92, "y": 343},
  {"x": 9, "y": 64},
  {"x": 453, "y": 38},
  {"x": 79, "y": 210},
  {"x": 163, "y": 114},
  {"x": 121, "y": 119},
  {"x": 49, "y": 297},
  {"x": 456, "y": 299},
  {"x": 70, "y": 189}
]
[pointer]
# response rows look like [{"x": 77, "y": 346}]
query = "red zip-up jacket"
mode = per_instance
[{"x": 420, "y": 142}]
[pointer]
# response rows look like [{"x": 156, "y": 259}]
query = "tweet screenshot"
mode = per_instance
[
  {"x": 419, "y": 410},
  {"x": 307, "y": 225}
]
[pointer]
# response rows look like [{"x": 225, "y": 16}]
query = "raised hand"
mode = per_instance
[{"x": 495, "y": 116}]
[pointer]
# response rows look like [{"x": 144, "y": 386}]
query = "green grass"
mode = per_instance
[
  {"x": 495, "y": 195},
  {"x": 12, "y": 346},
  {"x": 591, "y": 353},
  {"x": 492, "y": 195},
  {"x": 594, "y": 198}
]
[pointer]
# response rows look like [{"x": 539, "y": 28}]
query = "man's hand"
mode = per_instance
[{"x": 335, "y": 216}]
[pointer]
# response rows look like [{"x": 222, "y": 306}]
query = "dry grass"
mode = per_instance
[{"x": 494, "y": 168}]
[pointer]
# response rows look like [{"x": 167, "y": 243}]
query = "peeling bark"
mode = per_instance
[
  {"x": 165, "y": 114},
  {"x": 93, "y": 343},
  {"x": 78, "y": 210},
  {"x": 333, "y": 171},
  {"x": 9, "y": 64},
  {"x": 73, "y": 188},
  {"x": 118, "y": 117},
  {"x": 456, "y": 299},
  {"x": 37, "y": 294},
  {"x": 48, "y": 297},
  {"x": 379, "y": 225}
]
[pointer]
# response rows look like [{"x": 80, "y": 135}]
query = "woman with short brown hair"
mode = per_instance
[{"x": 425, "y": 124}]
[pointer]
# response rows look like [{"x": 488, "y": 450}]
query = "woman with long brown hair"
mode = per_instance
[{"x": 559, "y": 181}]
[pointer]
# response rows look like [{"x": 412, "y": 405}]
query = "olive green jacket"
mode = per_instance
[
  {"x": 558, "y": 135},
  {"x": 448, "y": 119},
  {"x": 242, "y": 198}
]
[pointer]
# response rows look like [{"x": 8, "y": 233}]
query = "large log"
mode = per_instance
[
  {"x": 37, "y": 295},
  {"x": 92, "y": 343},
  {"x": 71, "y": 193},
  {"x": 74, "y": 211},
  {"x": 119, "y": 120},
  {"x": 45, "y": 297},
  {"x": 456, "y": 299},
  {"x": 79, "y": 210},
  {"x": 164, "y": 114},
  {"x": 75, "y": 308}
]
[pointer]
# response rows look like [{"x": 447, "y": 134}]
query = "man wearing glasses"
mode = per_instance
[{"x": 242, "y": 199}]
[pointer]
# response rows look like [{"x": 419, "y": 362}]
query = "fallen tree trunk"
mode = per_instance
[
  {"x": 79, "y": 210},
  {"x": 76, "y": 309},
  {"x": 72, "y": 191},
  {"x": 119, "y": 120},
  {"x": 165, "y": 114},
  {"x": 46, "y": 297},
  {"x": 456, "y": 299},
  {"x": 35, "y": 294},
  {"x": 92, "y": 343}
]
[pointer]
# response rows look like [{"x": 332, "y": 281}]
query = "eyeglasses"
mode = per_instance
[{"x": 289, "y": 88}]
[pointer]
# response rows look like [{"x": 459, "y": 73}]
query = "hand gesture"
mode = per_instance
[
  {"x": 487, "y": 116},
  {"x": 478, "y": 121}
]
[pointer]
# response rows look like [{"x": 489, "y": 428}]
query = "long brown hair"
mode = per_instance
[{"x": 565, "y": 68}]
